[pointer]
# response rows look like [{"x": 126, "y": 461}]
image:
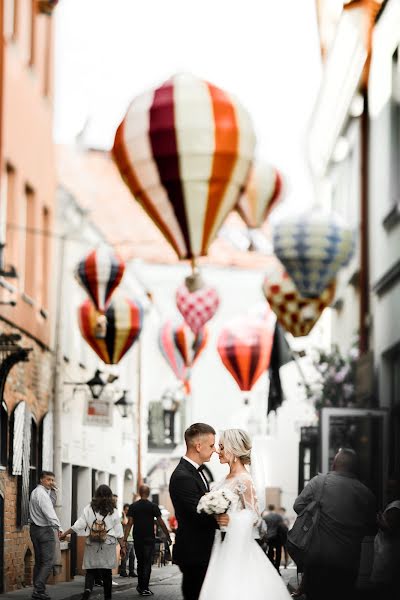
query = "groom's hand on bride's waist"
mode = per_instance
[{"x": 222, "y": 520}]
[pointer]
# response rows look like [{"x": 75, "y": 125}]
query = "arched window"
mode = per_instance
[{"x": 3, "y": 434}]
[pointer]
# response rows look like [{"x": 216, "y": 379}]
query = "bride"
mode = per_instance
[{"x": 238, "y": 567}]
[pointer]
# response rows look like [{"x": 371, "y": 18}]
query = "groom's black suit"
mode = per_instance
[{"x": 195, "y": 533}]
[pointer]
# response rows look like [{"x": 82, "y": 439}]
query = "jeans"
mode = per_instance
[
  {"x": 144, "y": 550},
  {"x": 44, "y": 545},
  {"x": 129, "y": 556},
  {"x": 106, "y": 576}
]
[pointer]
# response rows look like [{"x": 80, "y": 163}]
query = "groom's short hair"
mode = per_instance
[{"x": 195, "y": 430}]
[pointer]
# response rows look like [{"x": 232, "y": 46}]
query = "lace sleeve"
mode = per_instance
[{"x": 247, "y": 493}]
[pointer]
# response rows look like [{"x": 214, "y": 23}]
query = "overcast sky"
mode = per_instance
[{"x": 264, "y": 51}]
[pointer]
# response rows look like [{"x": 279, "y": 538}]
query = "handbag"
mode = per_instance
[{"x": 300, "y": 536}]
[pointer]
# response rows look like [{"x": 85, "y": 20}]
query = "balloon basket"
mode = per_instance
[
  {"x": 194, "y": 281},
  {"x": 100, "y": 331}
]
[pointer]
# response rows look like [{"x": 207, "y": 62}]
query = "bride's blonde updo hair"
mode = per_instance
[{"x": 237, "y": 443}]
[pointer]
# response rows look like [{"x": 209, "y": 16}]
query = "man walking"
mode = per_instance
[
  {"x": 143, "y": 515},
  {"x": 274, "y": 522},
  {"x": 347, "y": 514},
  {"x": 195, "y": 533},
  {"x": 44, "y": 524}
]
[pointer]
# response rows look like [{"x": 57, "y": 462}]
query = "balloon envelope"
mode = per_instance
[
  {"x": 185, "y": 149},
  {"x": 312, "y": 247},
  {"x": 124, "y": 324},
  {"x": 169, "y": 350},
  {"x": 262, "y": 194},
  {"x": 197, "y": 307},
  {"x": 296, "y": 314},
  {"x": 244, "y": 346},
  {"x": 100, "y": 273}
]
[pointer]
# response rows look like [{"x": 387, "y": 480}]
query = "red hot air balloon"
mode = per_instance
[
  {"x": 244, "y": 346},
  {"x": 99, "y": 274},
  {"x": 124, "y": 324},
  {"x": 186, "y": 172},
  {"x": 189, "y": 346},
  {"x": 170, "y": 351}
]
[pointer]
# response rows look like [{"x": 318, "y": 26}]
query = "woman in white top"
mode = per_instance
[{"x": 100, "y": 523}]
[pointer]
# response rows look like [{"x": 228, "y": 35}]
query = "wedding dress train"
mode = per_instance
[{"x": 238, "y": 567}]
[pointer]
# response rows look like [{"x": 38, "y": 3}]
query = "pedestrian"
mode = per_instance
[
  {"x": 273, "y": 521},
  {"x": 347, "y": 514},
  {"x": 100, "y": 524},
  {"x": 386, "y": 565},
  {"x": 283, "y": 531},
  {"x": 195, "y": 533},
  {"x": 44, "y": 531},
  {"x": 143, "y": 515},
  {"x": 129, "y": 558}
]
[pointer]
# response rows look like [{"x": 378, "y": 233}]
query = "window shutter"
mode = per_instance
[
  {"x": 47, "y": 461},
  {"x": 18, "y": 438}
]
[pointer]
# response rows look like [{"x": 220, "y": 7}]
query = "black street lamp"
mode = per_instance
[
  {"x": 96, "y": 385},
  {"x": 123, "y": 404}
]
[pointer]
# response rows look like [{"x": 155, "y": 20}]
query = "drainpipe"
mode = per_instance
[{"x": 364, "y": 323}]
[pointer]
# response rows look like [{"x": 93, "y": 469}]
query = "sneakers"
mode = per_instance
[
  {"x": 133, "y": 574},
  {"x": 40, "y": 596},
  {"x": 123, "y": 574},
  {"x": 144, "y": 592}
]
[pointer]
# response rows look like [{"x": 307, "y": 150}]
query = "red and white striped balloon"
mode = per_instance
[
  {"x": 100, "y": 273},
  {"x": 197, "y": 307},
  {"x": 185, "y": 150}
]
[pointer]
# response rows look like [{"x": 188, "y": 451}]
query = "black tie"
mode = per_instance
[{"x": 203, "y": 477}]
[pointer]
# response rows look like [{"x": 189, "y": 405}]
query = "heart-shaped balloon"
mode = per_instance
[{"x": 197, "y": 307}]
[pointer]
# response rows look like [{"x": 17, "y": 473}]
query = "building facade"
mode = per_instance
[
  {"x": 354, "y": 152},
  {"x": 27, "y": 195}
]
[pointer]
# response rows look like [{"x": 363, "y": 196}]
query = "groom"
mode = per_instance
[{"x": 195, "y": 533}]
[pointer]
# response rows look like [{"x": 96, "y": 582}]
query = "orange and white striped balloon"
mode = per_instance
[
  {"x": 262, "y": 194},
  {"x": 185, "y": 150}
]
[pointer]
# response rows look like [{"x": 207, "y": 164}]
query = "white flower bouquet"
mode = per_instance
[{"x": 215, "y": 502}]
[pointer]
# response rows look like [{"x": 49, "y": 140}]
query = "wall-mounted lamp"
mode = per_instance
[{"x": 124, "y": 404}]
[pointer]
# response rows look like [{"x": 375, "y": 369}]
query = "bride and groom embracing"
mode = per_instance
[{"x": 213, "y": 565}]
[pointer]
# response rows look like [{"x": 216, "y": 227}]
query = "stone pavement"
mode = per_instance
[{"x": 165, "y": 583}]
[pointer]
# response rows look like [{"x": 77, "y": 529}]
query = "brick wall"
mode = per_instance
[{"x": 32, "y": 383}]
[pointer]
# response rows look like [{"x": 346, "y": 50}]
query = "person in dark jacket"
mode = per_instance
[
  {"x": 347, "y": 514},
  {"x": 195, "y": 533}
]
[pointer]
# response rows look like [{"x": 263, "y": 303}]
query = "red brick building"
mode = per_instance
[{"x": 27, "y": 193}]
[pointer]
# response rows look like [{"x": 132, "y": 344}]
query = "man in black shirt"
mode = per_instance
[{"x": 142, "y": 515}]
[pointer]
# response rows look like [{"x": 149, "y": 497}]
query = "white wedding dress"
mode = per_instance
[{"x": 238, "y": 567}]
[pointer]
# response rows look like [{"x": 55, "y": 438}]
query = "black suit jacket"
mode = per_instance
[{"x": 195, "y": 533}]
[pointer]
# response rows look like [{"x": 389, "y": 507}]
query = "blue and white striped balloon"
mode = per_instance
[{"x": 313, "y": 246}]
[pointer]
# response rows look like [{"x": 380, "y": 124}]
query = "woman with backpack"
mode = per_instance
[{"x": 100, "y": 523}]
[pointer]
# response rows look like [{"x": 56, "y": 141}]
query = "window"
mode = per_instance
[
  {"x": 394, "y": 422},
  {"x": 45, "y": 256},
  {"x": 32, "y": 36},
  {"x": 395, "y": 131},
  {"x": 10, "y": 18},
  {"x": 7, "y": 210},
  {"x": 30, "y": 259},
  {"x": 3, "y": 434}
]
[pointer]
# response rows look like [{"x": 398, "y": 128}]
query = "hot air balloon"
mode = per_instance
[
  {"x": 312, "y": 247},
  {"x": 99, "y": 273},
  {"x": 244, "y": 346},
  {"x": 170, "y": 351},
  {"x": 262, "y": 194},
  {"x": 186, "y": 172},
  {"x": 124, "y": 324},
  {"x": 197, "y": 306},
  {"x": 296, "y": 314},
  {"x": 190, "y": 346}
]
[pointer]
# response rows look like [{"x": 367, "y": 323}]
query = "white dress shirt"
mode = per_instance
[
  {"x": 41, "y": 509},
  {"x": 196, "y": 466}
]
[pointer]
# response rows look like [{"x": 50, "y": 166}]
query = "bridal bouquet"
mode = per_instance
[{"x": 215, "y": 502}]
